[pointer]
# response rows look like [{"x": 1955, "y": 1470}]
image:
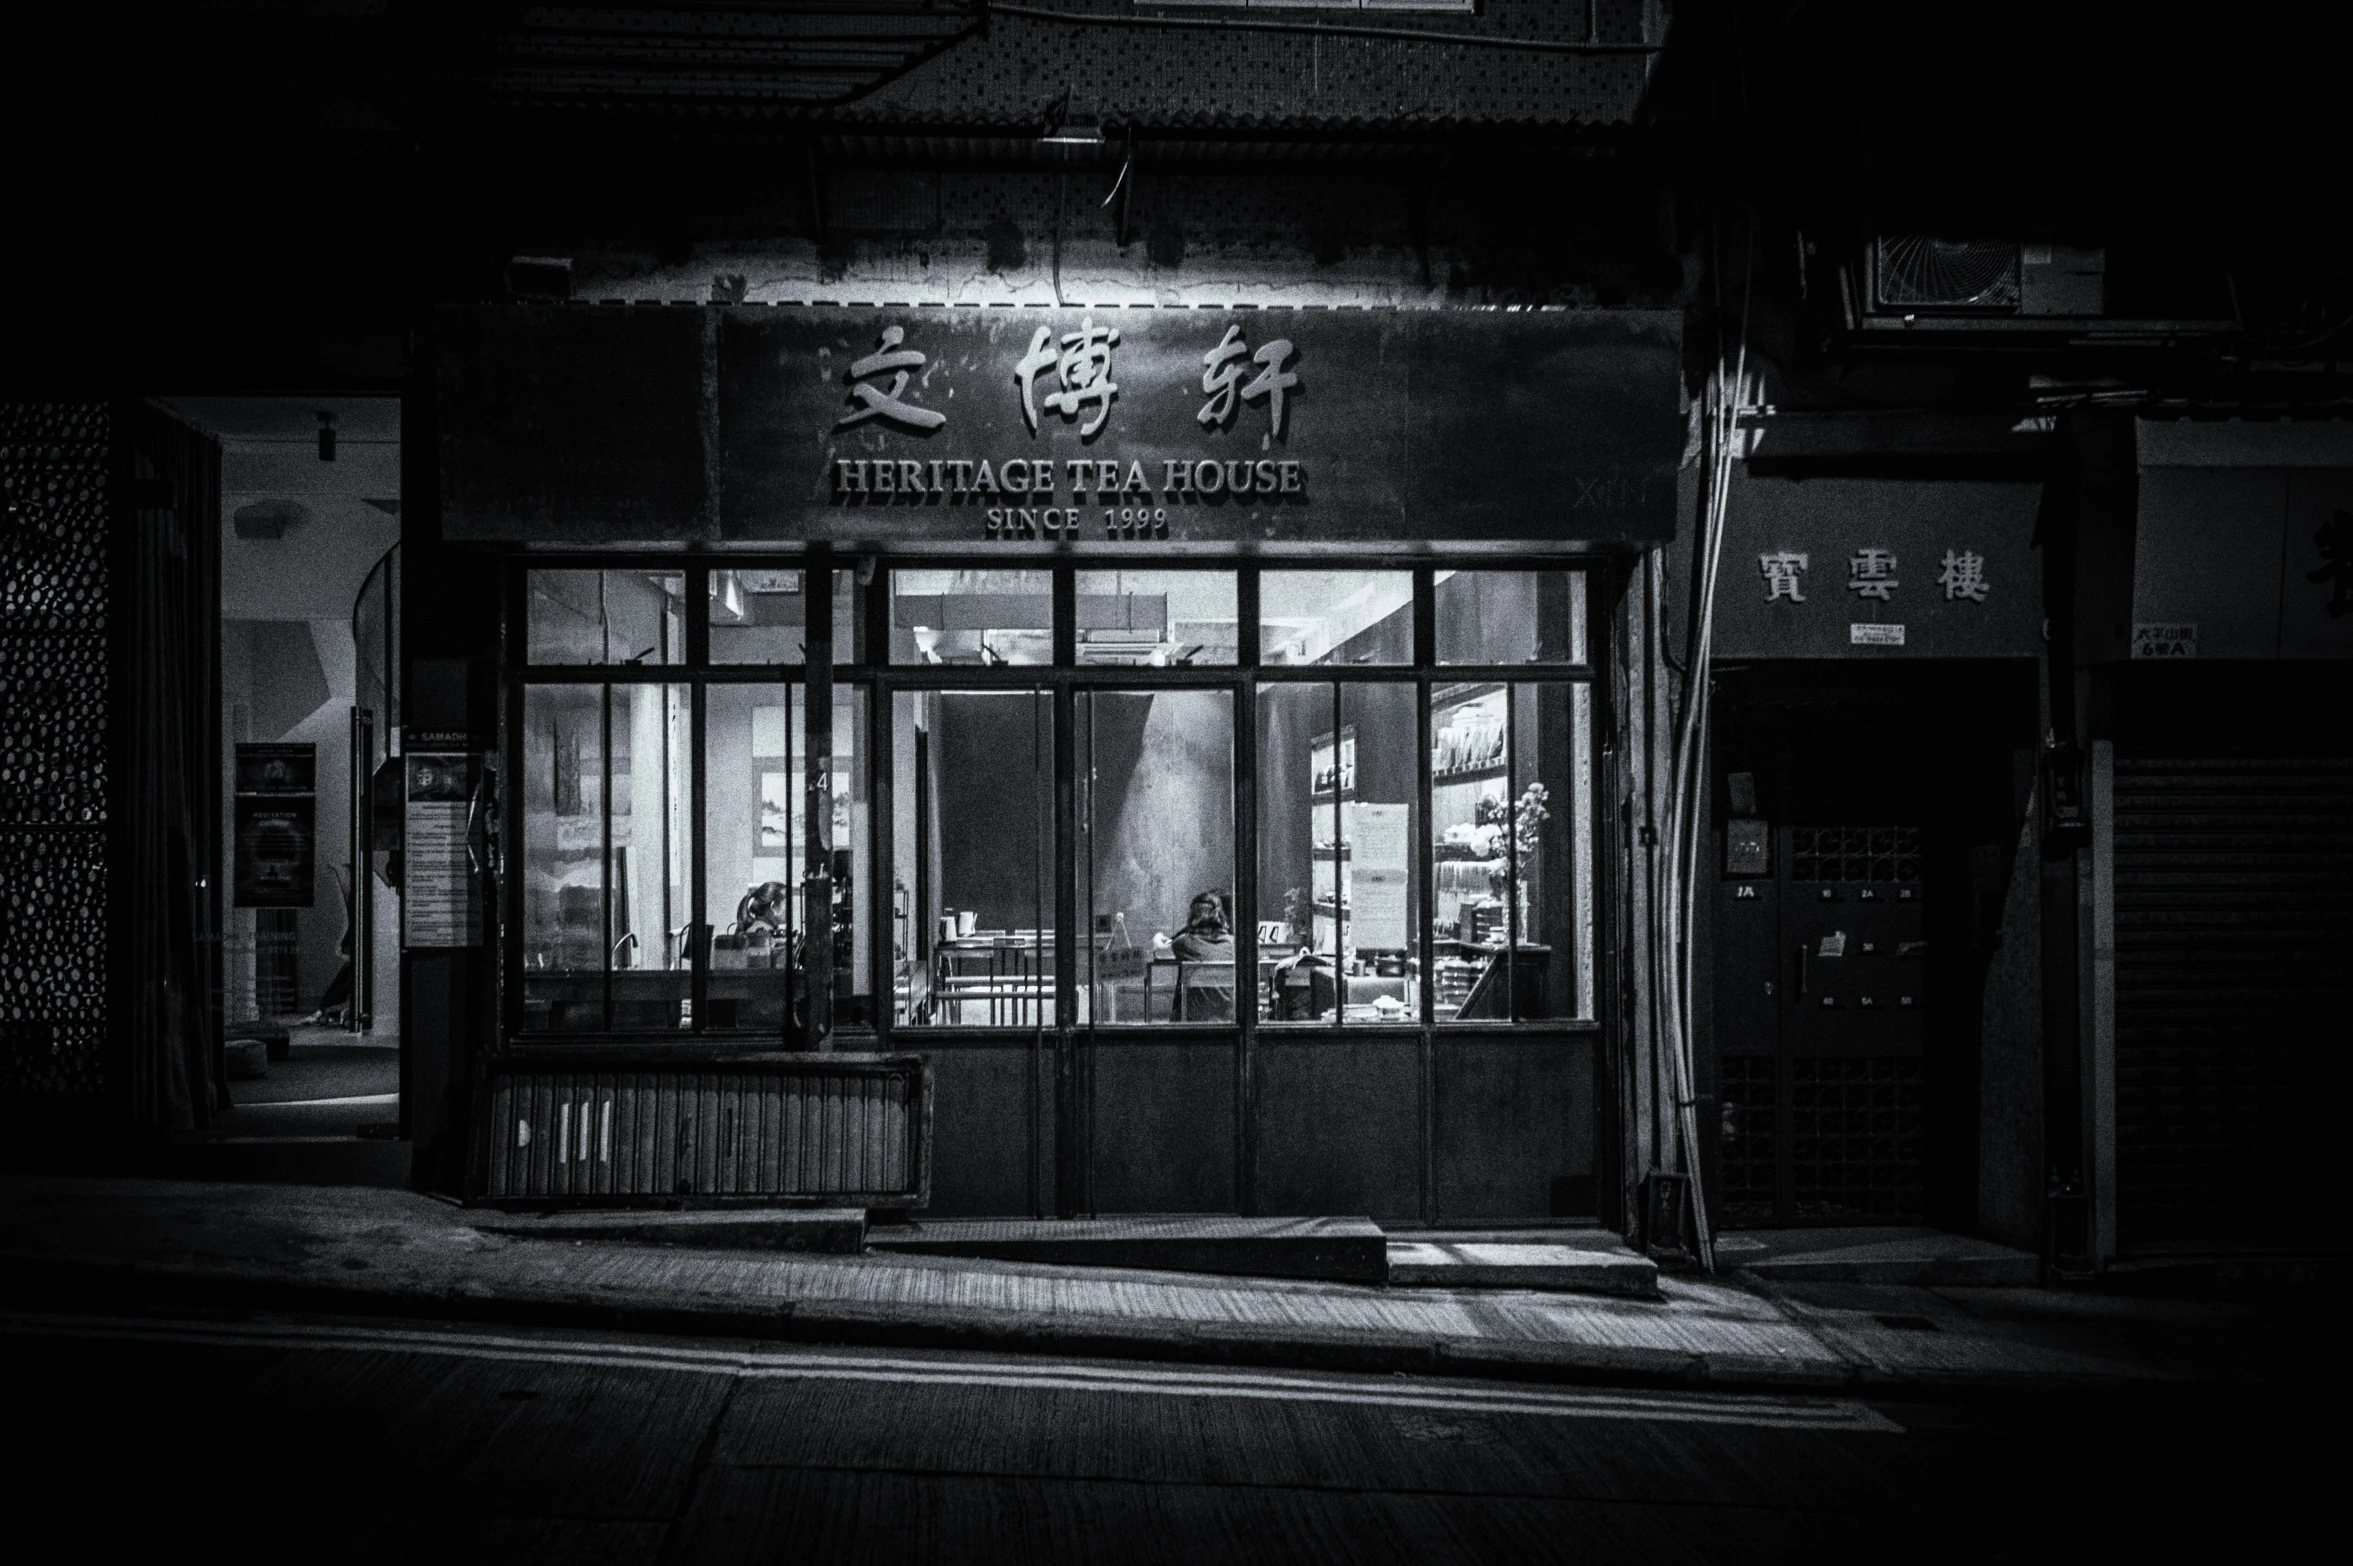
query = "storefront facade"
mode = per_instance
[
  {"x": 2221, "y": 802},
  {"x": 1873, "y": 1045},
  {"x": 1207, "y": 782}
]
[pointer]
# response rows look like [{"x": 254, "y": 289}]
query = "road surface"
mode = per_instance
[{"x": 340, "y": 1440}]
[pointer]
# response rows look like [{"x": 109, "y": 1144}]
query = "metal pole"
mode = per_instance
[
  {"x": 817, "y": 884},
  {"x": 360, "y": 1008}
]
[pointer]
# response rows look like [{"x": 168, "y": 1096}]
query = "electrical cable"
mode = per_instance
[{"x": 1721, "y": 428}]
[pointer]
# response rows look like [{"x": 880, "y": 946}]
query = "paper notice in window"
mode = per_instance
[
  {"x": 438, "y": 905},
  {"x": 1873, "y": 633},
  {"x": 2165, "y": 641},
  {"x": 1376, "y": 869}
]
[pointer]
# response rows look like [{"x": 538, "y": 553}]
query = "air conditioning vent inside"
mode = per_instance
[{"x": 1922, "y": 272}]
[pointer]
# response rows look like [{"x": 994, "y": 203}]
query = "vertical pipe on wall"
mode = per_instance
[
  {"x": 2100, "y": 1058},
  {"x": 694, "y": 949},
  {"x": 817, "y": 810},
  {"x": 1074, "y": 1154},
  {"x": 1247, "y": 1000},
  {"x": 1633, "y": 960}
]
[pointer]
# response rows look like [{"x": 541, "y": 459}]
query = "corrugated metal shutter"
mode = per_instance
[
  {"x": 850, "y": 1130},
  {"x": 2234, "y": 1000}
]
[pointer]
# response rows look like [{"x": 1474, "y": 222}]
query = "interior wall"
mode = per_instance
[
  {"x": 289, "y": 667},
  {"x": 1288, "y": 720},
  {"x": 993, "y": 765},
  {"x": 1163, "y": 813}
]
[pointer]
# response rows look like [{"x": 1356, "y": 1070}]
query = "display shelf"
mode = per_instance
[
  {"x": 1452, "y": 696},
  {"x": 1493, "y": 769}
]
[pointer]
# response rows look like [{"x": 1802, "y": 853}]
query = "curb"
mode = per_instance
[{"x": 81, "y": 1285}]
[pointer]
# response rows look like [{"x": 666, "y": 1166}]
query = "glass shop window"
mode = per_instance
[
  {"x": 972, "y": 617},
  {"x": 1335, "y": 617},
  {"x": 972, "y": 913},
  {"x": 1157, "y": 619},
  {"x": 606, "y": 910},
  {"x": 762, "y": 617},
  {"x": 756, "y": 853},
  {"x": 1155, "y": 800},
  {"x": 608, "y": 617},
  {"x": 1338, "y": 813},
  {"x": 1510, "y": 617},
  {"x": 1509, "y": 790}
]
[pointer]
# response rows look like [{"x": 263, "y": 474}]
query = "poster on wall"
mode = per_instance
[
  {"x": 439, "y": 906},
  {"x": 274, "y": 826},
  {"x": 276, "y": 850},
  {"x": 277, "y": 769}
]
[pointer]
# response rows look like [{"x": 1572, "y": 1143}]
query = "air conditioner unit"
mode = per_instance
[
  {"x": 1927, "y": 275},
  {"x": 1924, "y": 273},
  {"x": 2062, "y": 280}
]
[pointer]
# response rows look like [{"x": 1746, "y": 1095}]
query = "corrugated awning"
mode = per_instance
[{"x": 905, "y": 64}]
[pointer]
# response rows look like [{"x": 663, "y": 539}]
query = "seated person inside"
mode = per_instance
[{"x": 1206, "y": 993}]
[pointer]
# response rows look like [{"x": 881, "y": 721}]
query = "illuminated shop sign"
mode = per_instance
[{"x": 956, "y": 425}]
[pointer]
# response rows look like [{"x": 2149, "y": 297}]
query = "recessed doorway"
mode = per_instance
[{"x": 308, "y": 730}]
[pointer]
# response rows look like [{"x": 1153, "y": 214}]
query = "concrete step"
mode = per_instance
[
  {"x": 289, "y": 1160},
  {"x": 1339, "y": 1250},
  {"x": 1921, "y": 1258},
  {"x": 838, "y": 1231},
  {"x": 1583, "y": 1262}
]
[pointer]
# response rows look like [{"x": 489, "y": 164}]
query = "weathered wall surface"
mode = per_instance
[{"x": 1590, "y": 234}]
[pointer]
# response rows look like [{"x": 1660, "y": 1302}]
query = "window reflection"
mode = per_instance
[
  {"x": 1509, "y": 617},
  {"x": 1156, "y": 619},
  {"x": 1342, "y": 617},
  {"x": 973, "y": 849},
  {"x": 972, "y": 617},
  {"x": 605, "y": 843},
  {"x": 1155, "y": 774},
  {"x": 762, "y": 617},
  {"x": 614, "y": 617}
]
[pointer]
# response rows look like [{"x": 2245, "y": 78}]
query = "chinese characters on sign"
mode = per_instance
[
  {"x": 1083, "y": 364},
  {"x": 1078, "y": 371},
  {"x": 1221, "y": 379},
  {"x": 874, "y": 403},
  {"x": 1071, "y": 375},
  {"x": 1963, "y": 576},
  {"x": 1781, "y": 572},
  {"x": 1871, "y": 573}
]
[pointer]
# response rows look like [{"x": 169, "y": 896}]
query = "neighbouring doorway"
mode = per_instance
[
  {"x": 308, "y": 727},
  {"x": 1865, "y": 992}
]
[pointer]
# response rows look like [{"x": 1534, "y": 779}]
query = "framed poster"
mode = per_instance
[
  {"x": 773, "y": 835},
  {"x": 276, "y": 850}
]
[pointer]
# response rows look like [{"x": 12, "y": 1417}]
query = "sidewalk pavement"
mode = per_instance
[{"x": 123, "y": 1243}]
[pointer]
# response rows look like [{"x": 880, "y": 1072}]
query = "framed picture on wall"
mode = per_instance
[{"x": 773, "y": 833}]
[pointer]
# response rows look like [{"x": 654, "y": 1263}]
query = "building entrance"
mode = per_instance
[{"x": 1867, "y": 820}]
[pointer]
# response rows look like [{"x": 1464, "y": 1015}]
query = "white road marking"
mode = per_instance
[
  {"x": 355, "y": 1100},
  {"x": 787, "y": 1362}
]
